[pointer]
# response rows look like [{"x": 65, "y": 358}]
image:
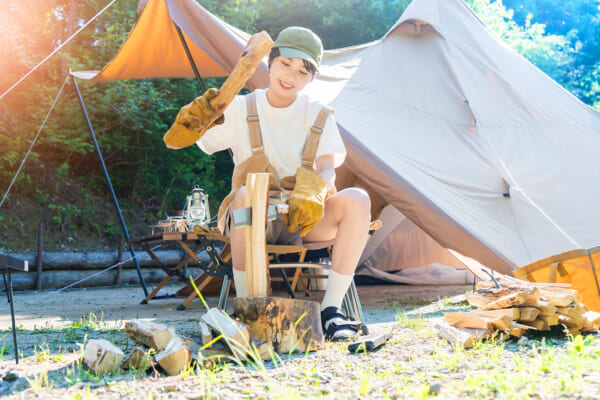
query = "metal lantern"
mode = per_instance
[{"x": 196, "y": 207}]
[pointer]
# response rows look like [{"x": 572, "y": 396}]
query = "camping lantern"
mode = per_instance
[{"x": 196, "y": 207}]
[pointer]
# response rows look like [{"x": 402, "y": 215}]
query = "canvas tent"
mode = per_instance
[{"x": 490, "y": 161}]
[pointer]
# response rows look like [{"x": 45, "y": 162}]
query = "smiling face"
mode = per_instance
[{"x": 287, "y": 76}]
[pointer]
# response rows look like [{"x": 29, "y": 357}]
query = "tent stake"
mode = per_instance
[
  {"x": 190, "y": 58},
  {"x": 110, "y": 186}
]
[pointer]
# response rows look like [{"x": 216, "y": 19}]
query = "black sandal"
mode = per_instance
[{"x": 332, "y": 327}]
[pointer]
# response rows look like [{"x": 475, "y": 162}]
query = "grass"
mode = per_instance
[{"x": 414, "y": 364}]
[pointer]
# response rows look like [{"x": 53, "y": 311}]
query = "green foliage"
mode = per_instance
[{"x": 62, "y": 184}]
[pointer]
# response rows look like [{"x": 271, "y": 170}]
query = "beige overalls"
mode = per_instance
[{"x": 258, "y": 162}]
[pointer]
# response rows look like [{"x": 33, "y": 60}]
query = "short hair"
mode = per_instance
[{"x": 307, "y": 64}]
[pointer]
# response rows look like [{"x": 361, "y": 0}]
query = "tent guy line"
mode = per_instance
[
  {"x": 56, "y": 50},
  {"x": 34, "y": 141}
]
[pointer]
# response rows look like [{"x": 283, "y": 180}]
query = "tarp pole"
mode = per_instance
[
  {"x": 110, "y": 186},
  {"x": 190, "y": 58}
]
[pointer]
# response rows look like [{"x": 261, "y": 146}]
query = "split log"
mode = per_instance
[
  {"x": 175, "y": 357},
  {"x": 569, "y": 322},
  {"x": 101, "y": 356},
  {"x": 528, "y": 313},
  {"x": 288, "y": 324},
  {"x": 139, "y": 359},
  {"x": 545, "y": 307},
  {"x": 571, "y": 312},
  {"x": 461, "y": 337},
  {"x": 236, "y": 335},
  {"x": 205, "y": 333},
  {"x": 257, "y": 265},
  {"x": 257, "y": 48},
  {"x": 514, "y": 299},
  {"x": 500, "y": 319},
  {"x": 592, "y": 321},
  {"x": 263, "y": 350},
  {"x": 478, "y": 300},
  {"x": 516, "y": 330},
  {"x": 150, "y": 334},
  {"x": 560, "y": 297}
]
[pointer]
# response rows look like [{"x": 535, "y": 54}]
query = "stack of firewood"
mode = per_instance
[
  {"x": 515, "y": 307},
  {"x": 219, "y": 339}
]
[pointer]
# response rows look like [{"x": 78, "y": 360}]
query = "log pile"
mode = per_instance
[
  {"x": 515, "y": 307},
  {"x": 219, "y": 339}
]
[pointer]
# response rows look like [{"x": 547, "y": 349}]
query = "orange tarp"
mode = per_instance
[{"x": 580, "y": 268}]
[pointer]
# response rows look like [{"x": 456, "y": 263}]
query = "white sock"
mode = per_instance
[
  {"x": 337, "y": 286},
  {"x": 239, "y": 280}
]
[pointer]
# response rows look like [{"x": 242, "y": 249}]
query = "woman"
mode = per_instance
[{"x": 276, "y": 143}]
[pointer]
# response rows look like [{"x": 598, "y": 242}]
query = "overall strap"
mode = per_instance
[
  {"x": 310, "y": 148},
  {"x": 253, "y": 126}
]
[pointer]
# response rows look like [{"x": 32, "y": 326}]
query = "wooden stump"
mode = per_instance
[{"x": 287, "y": 324}]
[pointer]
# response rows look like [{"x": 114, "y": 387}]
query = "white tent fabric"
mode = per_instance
[{"x": 474, "y": 128}]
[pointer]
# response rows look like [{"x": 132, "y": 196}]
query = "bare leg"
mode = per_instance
[
  {"x": 238, "y": 247},
  {"x": 346, "y": 218}
]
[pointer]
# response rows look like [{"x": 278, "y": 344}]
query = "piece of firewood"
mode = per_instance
[
  {"x": 461, "y": 337},
  {"x": 478, "y": 300},
  {"x": 570, "y": 311},
  {"x": 475, "y": 323},
  {"x": 236, "y": 334},
  {"x": 479, "y": 322},
  {"x": 499, "y": 318},
  {"x": 528, "y": 313},
  {"x": 257, "y": 48},
  {"x": 538, "y": 324},
  {"x": 205, "y": 333},
  {"x": 150, "y": 334},
  {"x": 288, "y": 324},
  {"x": 101, "y": 356},
  {"x": 569, "y": 322},
  {"x": 256, "y": 198},
  {"x": 560, "y": 297},
  {"x": 262, "y": 350},
  {"x": 139, "y": 359},
  {"x": 516, "y": 330},
  {"x": 514, "y": 299},
  {"x": 545, "y": 307},
  {"x": 175, "y": 357},
  {"x": 551, "y": 320},
  {"x": 592, "y": 321}
]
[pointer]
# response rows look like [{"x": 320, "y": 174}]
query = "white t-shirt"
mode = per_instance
[{"x": 284, "y": 132}]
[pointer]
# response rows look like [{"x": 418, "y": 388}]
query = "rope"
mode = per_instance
[
  {"x": 57, "y": 49},
  {"x": 33, "y": 142},
  {"x": 88, "y": 277}
]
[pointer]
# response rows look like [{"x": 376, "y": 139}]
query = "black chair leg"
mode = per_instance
[{"x": 286, "y": 282}]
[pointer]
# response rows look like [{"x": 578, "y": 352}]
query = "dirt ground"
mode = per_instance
[
  {"x": 35, "y": 309},
  {"x": 115, "y": 306},
  {"x": 51, "y": 328}
]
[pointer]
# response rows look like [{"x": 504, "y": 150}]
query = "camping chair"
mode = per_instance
[
  {"x": 580, "y": 268},
  {"x": 302, "y": 258}
]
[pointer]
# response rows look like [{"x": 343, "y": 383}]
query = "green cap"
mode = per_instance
[{"x": 298, "y": 42}]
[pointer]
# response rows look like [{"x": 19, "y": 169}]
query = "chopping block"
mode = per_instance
[{"x": 288, "y": 324}]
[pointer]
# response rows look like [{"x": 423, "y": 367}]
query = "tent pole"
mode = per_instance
[
  {"x": 110, "y": 186},
  {"x": 190, "y": 58}
]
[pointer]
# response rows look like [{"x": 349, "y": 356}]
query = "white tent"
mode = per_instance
[
  {"x": 491, "y": 161},
  {"x": 485, "y": 144}
]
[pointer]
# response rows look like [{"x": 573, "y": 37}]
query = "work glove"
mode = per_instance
[
  {"x": 192, "y": 121},
  {"x": 306, "y": 202}
]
